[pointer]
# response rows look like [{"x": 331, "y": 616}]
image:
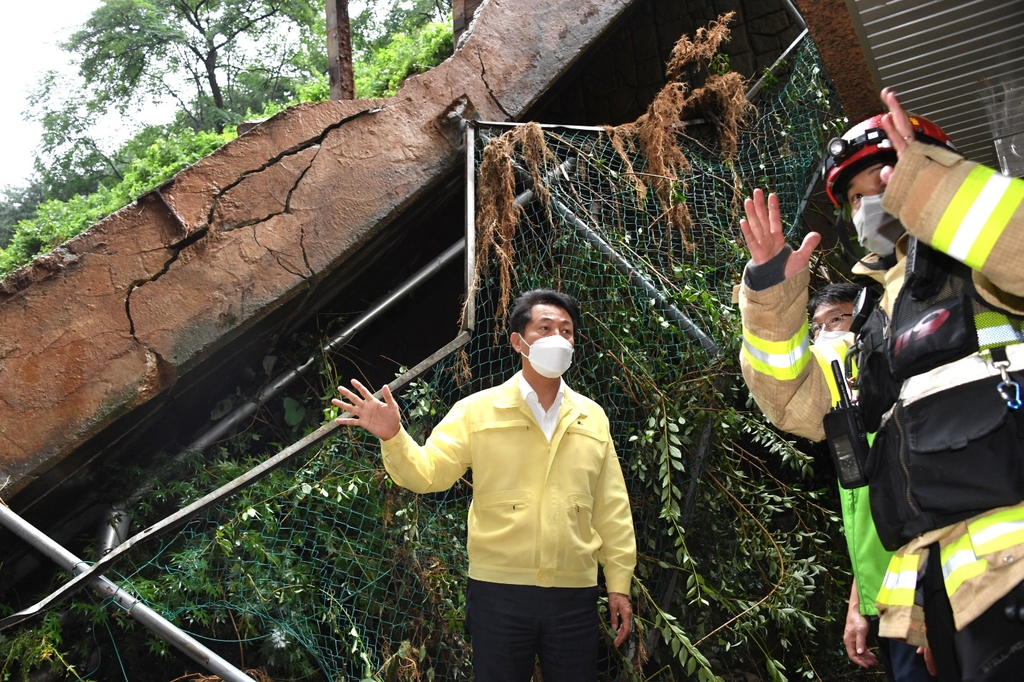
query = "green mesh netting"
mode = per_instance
[{"x": 327, "y": 570}]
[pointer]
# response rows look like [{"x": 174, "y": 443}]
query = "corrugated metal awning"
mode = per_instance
[{"x": 950, "y": 61}]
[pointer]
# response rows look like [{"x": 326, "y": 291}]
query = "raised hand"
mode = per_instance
[
  {"x": 762, "y": 231},
  {"x": 381, "y": 418},
  {"x": 897, "y": 127}
]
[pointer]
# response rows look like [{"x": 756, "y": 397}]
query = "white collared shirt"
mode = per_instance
[{"x": 546, "y": 420}]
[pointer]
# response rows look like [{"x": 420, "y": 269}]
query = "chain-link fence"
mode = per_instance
[{"x": 325, "y": 569}]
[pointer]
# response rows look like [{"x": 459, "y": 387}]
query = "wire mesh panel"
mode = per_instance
[{"x": 325, "y": 569}]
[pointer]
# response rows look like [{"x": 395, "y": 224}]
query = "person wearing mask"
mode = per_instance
[
  {"x": 831, "y": 309},
  {"x": 938, "y": 362},
  {"x": 549, "y": 501}
]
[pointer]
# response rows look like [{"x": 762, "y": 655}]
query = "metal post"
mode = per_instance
[
  {"x": 136, "y": 609},
  {"x": 469, "y": 319}
]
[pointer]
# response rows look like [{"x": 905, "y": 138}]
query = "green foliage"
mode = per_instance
[
  {"x": 131, "y": 50},
  {"x": 325, "y": 570},
  {"x": 381, "y": 20},
  {"x": 214, "y": 61},
  {"x": 198, "y": 52},
  {"x": 404, "y": 55},
  {"x": 155, "y": 159},
  {"x": 17, "y": 204}
]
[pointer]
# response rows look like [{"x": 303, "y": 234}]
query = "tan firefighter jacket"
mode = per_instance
[{"x": 975, "y": 215}]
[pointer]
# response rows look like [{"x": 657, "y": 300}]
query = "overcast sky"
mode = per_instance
[{"x": 29, "y": 34}]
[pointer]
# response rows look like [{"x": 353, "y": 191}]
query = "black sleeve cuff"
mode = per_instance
[{"x": 769, "y": 273}]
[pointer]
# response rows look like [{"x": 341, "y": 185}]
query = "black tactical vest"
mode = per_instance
[{"x": 951, "y": 455}]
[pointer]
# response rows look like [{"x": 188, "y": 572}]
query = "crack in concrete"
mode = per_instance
[
  {"x": 200, "y": 233},
  {"x": 278, "y": 255},
  {"x": 291, "y": 151},
  {"x": 483, "y": 77},
  {"x": 176, "y": 250},
  {"x": 288, "y": 209}
]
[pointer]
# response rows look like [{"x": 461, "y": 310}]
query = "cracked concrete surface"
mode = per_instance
[{"x": 116, "y": 316}]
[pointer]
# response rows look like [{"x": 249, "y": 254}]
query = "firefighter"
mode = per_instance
[
  {"x": 939, "y": 362},
  {"x": 832, "y": 310}
]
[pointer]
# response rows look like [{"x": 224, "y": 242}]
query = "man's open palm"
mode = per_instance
[
  {"x": 762, "y": 231},
  {"x": 381, "y": 418}
]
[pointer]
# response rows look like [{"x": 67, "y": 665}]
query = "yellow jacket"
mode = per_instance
[{"x": 543, "y": 513}]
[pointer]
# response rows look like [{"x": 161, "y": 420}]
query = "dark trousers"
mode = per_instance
[
  {"x": 510, "y": 625},
  {"x": 900, "y": 660},
  {"x": 989, "y": 649}
]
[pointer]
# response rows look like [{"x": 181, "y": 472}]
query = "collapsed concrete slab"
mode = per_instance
[{"x": 118, "y": 315}]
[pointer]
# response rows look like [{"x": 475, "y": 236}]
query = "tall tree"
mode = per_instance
[
  {"x": 215, "y": 58},
  {"x": 376, "y": 26}
]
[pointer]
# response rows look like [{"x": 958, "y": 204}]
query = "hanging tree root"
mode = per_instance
[
  {"x": 497, "y": 212},
  {"x": 720, "y": 101}
]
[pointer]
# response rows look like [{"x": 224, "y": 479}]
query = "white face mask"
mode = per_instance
[
  {"x": 877, "y": 231},
  {"x": 550, "y": 356},
  {"x": 828, "y": 337}
]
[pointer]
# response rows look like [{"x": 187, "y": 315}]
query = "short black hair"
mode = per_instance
[
  {"x": 830, "y": 294},
  {"x": 522, "y": 308}
]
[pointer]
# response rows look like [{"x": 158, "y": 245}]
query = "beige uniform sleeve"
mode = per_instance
[
  {"x": 969, "y": 211},
  {"x": 776, "y": 358}
]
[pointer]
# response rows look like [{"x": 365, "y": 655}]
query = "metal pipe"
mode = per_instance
[
  {"x": 248, "y": 478},
  {"x": 409, "y": 285},
  {"x": 756, "y": 87},
  {"x": 136, "y": 609},
  {"x": 117, "y": 524},
  {"x": 623, "y": 266},
  {"x": 638, "y": 280},
  {"x": 469, "y": 319},
  {"x": 795, "y": 14}
]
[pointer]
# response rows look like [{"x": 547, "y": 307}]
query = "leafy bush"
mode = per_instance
[
  {"x": 57, "y": 221},
  {"x": 407, "y": 54},
  {"x": 158, "y": 152}
]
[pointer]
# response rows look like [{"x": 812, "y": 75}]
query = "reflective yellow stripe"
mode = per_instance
[
  {"x": 993, "y": 533},
  {"x": 977, "y": 216},
  {"x": 996, "y": 329},
  {"x": 825, "y": 355},
  {"x": 782, "y": 360},
  {"x": 960, "y": 563},
  {"x": 900, "y": 581},
  {"x": 998, "y": 531},
  {"x": 997, "y": 221}
]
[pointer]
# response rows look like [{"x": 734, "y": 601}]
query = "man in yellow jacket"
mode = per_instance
[
  {"x": 940, "y": 365},
  {"x": 549, "y": 501}
]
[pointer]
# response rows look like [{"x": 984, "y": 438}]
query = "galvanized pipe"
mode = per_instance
[
  {"x": 670, "y": 311},
  {"x": 622, "y": 265},
  {"x": 116, "y": 526},
  {"x": 136, "y": 609},
  {"x": 425, "y": 273},
  {"x": 469, "y": 316},
  {"x": 756, "y": 87}
]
